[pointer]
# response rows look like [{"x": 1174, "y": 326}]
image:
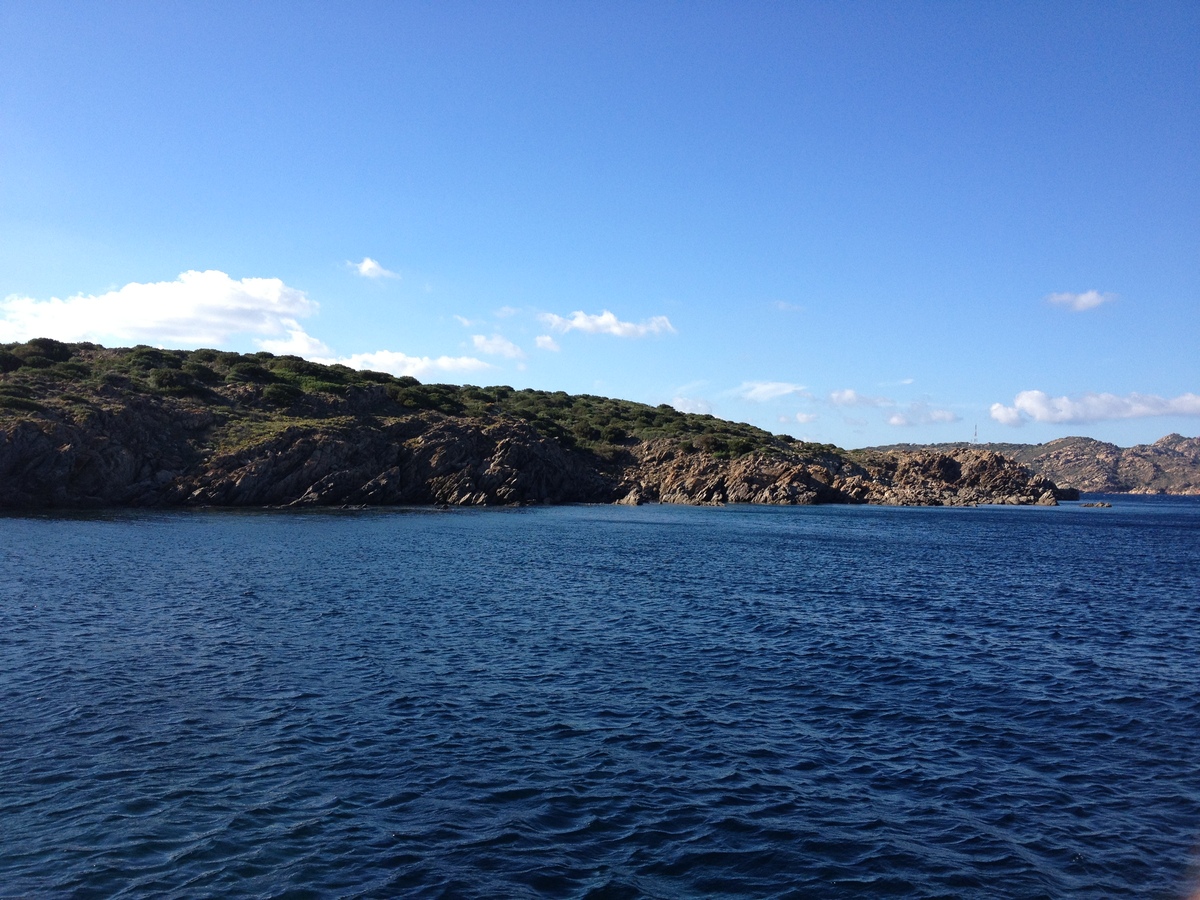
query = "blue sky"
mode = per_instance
[{"x": 858, "y": 223}]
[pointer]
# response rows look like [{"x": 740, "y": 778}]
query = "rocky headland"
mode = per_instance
[
  {"x": 83, "y": 426},
  {"x": 1171, "y": 465}
]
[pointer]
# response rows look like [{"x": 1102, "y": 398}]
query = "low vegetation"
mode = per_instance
[{"x": 252, "y": 396}]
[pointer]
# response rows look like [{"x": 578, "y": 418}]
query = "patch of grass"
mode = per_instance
[
  {"x": 241, "y": 433},
  {"x": 20, "y": 403}
]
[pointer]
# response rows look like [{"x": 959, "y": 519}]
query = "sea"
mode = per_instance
[{"x": 602, "y": 702}]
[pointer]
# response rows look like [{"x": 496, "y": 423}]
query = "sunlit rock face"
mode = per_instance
[{"x": 1171, "y": 465}]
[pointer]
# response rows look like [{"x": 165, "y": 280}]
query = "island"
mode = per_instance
[{"x": 85, "y": 426}]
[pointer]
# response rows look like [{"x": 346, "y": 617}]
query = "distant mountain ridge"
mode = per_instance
[{"x": 1171, "y": 465}]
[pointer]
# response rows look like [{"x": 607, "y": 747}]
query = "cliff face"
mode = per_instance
[
  {"x": 418, "y": 459},
  {"x": 152, "y": 457},
  {"x": 149, "y": 454},
  {"x": 86, "y": 426}
]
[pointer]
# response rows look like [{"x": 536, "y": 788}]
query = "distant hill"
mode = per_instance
[
  {"x": 88, "y": 426},
  {"x": 1171, "y": 465}
]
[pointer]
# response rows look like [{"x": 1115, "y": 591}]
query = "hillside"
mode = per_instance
[
  {"x": 1171, "y": 465},
  {"x": 87, "y": 426}
]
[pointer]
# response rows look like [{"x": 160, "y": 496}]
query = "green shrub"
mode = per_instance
[
  {"x": 316, "y": 386},
  {"x": 9, "y": 362},
  {"x": 71, "y": 369},
  {"x": 614, "y": 434},
  {"x": 710, "y": 443},
  {"x": 296, "y": 366},
  {"x": 201, "y": 373},
  {"x": 281, "y": 394},
  {"x": 148, "y": 358},
  {"x": 173, "y": 381},
  {"x": 741, "y": 446},
  {"x": 374, "y": 377},
  {"x": 34, "y": 361},
  {"x": 584, "y": 431},
  {"x": 51, "y": 349},
  {"x": 248, "y": 371}
]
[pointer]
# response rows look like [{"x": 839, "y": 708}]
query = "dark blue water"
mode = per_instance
[{"x": 602, "y": 701}]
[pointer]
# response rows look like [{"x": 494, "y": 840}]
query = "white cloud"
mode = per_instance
[
  {"x": 1041, "y": 407},
  {"x": 764, "y": 391},
  {"x": 468, "y": 323},
  {"x": 369, "y": 268},
  {"x": 1006, "y": 415},
  {"x": 497, "y": 345},
  {"x": 851, "y": 397},
  {"x": 804, "y": 418},
  {"x": 196, "y": 309},
  {"x": 545, "y": 342},
  {"x": 692, "y": 405},
  {"x": 505, "y": 311},
  {"x": 921, "y": 414},
  {"x": 1080, "y": 302},
  {"x": 297, "y": 344},
  {"x": 416, "y": 366},
  {"x": 607, "y": 323}
]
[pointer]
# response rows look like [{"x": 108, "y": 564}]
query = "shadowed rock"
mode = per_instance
[{"x": 142, "y": 427}]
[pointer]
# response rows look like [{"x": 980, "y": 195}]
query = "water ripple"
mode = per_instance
[{"x": 602, "y": 702}]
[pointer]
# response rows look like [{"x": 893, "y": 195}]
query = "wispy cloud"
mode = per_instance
[
  {"x": 921, "y": 414},
  {"x": 545, "y": 342},
  {"x": 607, "y": 323},
  {"x": 416, "y": 366},
  {"x": 851, "y": 397},
  {"x": 497, "y": 345},
  {"x": 468, "y": 323},
  {"x": 196, "y": 309},
  {"x": 1080, "y": 302},
  {"x": 1041, "y": 407},
  {"x": 505, "y": 312},
  {"x": 369, "y": 268},
  {"x": 804, "y": 418},
  {"x": 692, "y": 405},
  {"x": 765, "y": 391}
]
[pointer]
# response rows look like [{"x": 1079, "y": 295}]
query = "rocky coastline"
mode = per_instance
[{"x": 93, "y": 430}]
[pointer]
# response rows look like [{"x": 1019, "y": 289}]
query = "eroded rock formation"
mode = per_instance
[{"x": 155, "y": 454}]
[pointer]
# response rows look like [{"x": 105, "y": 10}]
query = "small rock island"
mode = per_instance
[{"x": 84, "y": 426}]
